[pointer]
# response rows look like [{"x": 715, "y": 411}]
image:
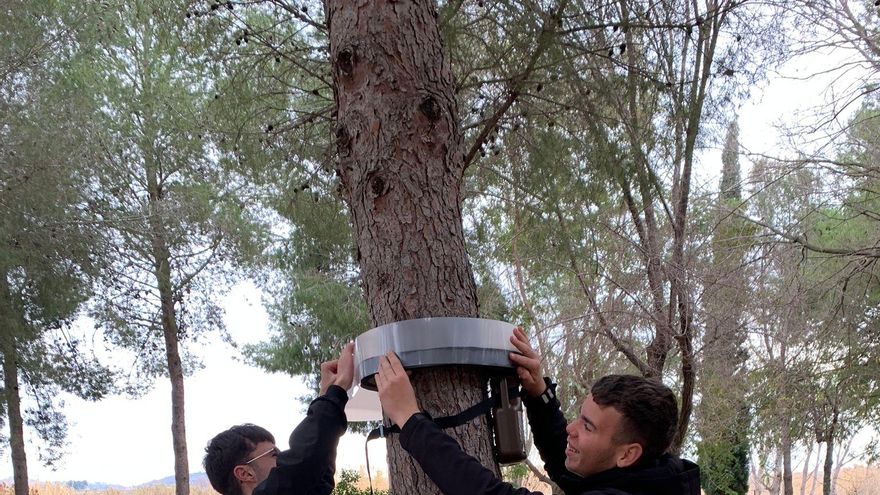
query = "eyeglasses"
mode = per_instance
[{"x": 274, "y": 451}]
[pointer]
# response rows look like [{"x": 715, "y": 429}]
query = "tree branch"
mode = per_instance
[
  {"x": 517, "y": 83},
  {"x": 801, "y": 240}
]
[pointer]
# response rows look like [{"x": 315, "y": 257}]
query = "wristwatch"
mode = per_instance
[{"x": 549, "y": 393}]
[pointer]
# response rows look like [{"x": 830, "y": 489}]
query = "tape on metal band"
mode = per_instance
[
  {"x": 483, "y": 358},
  {"x": 433, "y": 333},
  {"x": 431, "y": 342}
]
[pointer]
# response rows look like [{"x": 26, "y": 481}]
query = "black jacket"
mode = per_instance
[
  {"x": 457, "y": 473},
  {"x": 307, "y": 468}
]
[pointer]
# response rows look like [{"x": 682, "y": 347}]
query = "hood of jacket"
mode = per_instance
[{"x": 665, "y": 475}]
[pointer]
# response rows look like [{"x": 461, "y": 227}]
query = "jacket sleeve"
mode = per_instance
[
  {"x": 307, "y": 468},
  {"x": 548, "y": 431},
  {"x": 450, "y": 468}
]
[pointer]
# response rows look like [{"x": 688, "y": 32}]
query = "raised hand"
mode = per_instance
[
  {"x": 528, "y": 364},
  {"x": 339, "y": 371},
  {"x": 395, "y": 390},
  {"x": 345, "y": 367}
]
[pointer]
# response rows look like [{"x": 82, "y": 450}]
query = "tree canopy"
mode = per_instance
[{"x": 540, "y": 162}]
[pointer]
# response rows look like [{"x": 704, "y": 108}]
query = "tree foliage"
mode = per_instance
[{"x": 50, "y": 250}]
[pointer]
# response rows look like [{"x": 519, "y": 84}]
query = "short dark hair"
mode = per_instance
[
  {"x": 649, "y": 410},
  {"x": 229, "y": 449}
]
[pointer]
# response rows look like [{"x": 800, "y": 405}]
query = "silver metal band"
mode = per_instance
[{"x": 429, "y": 342}]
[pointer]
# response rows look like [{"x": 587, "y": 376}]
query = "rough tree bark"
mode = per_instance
[
  {"x": 401, "y": 163},
  {"x": 12, "y": 395}
]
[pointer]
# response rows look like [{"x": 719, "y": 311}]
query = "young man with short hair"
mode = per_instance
[
  {"x": 244, "y": 460},
  {"x": 616, "y": 446}
]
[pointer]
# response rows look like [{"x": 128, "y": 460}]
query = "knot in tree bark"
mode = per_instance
[
  {"x": 430, "y": 108},
  {"x": 377, "y": 186},
  {"x": 345, "y": 61},
  {"x": 343, "y": 140}
]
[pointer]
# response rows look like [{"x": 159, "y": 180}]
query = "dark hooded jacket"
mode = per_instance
[
  {"x": 307, "y": 468},
  {"x": 457, "y": 473}
]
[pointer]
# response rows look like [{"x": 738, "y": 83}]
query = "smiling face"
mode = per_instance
[{"x": 593, "y": 444}]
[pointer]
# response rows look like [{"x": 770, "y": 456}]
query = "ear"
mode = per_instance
[
  {"x": 243, "y": 473},
  {"x": 629, "y": 454}
]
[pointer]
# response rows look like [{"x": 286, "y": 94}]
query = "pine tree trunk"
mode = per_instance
[
  {"x": 175, "y": 372},
  {"x": 826, "y": 471},
  {"x": 787, "y": 485},
  {"x": 13, "y": 406},
  {"x": 401, "y": 166},
  {"x": 827, "y": 476},
  {"x": 170, "y": 330}
]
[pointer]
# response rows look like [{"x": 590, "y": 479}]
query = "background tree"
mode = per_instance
[
  {"x": 724, "y": 411},
  {"x": 781, "y": 316},
  {"x": 180, "y": 222},
  {"x": 49, "y": 247},
  {"x": 836, "y": 235},
  {"x": 632, "y": 96},
  {"x": 272, "y": 118}
]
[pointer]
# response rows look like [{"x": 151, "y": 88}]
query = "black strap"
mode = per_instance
[
  {"x": 468, "y": 414},
  {"x": 445, "y": 422}
]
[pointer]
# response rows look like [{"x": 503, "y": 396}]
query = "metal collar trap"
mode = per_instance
[{"x": 445, "y": 341}]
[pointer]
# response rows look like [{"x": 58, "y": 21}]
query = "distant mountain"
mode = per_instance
[
  {"x": 195, "y": 479},
  {"x": 89, "y": 485}
]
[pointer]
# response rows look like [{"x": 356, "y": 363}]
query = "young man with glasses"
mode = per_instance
[{"x": 244, "y": 460}]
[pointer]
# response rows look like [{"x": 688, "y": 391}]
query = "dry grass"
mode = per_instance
[
  {"x": 855, "y": 480},
  {"x": 380, "y": 483}
]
